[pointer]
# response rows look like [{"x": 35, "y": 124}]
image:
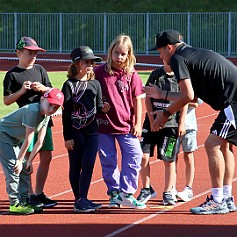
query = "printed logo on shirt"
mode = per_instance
[
  {"x": 157, "y": 104},
  {"x": 102, "y": 121},
  {"x": 122, "y": 87}
]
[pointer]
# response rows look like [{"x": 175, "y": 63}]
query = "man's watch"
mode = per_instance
[{"x": 166, "y": 113}]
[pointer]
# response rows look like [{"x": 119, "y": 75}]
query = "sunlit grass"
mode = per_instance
[{"x": 57, "y": 79}]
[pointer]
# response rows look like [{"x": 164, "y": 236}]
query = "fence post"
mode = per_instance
[
  {"x": 147, "y": 32},
  {"x": 105, "y": 32},
  {"x": 60, "y": 33},
  {"x": 189, "y": 29},
  {"x": 229, "y": 34},
  {"x": 15, "y": 29}
]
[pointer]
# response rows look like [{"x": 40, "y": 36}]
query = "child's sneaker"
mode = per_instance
[
  {"x": 210, "y": 207},
  {"x": 231, "y": 204},
  {"x": 129, "y": 201},
  {"x": 29, "y": 204},
  {"x": 168, "y": 199},
  {"x": 35, "y": 201},
  {"x": 94, "y": 205},
  {"x": 82, "y": 206},
  {"x": 20, "y": 209},
  {"x": 153, "y": 193},
  {"x": 174, "y": 194},
  {"x": 46, "y": 201},
  {"x": 144, "y": 195},
  {"x": 113, "y": 195},
  {"x": 186, "y": 195}
]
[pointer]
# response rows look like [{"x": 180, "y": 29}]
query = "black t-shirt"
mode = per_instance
[
  {"x": 213, "y": 77},
  {"x": 82, "y": 100},
  {"x": 166, "y": 82},
  {"x": 15, "y": 78}
]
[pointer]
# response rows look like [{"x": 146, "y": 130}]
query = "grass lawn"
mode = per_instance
[{"x": 57, "y": 79}]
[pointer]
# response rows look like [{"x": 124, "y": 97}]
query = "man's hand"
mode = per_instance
[
  {"x": 160, "y": 120},
  {"x": 152, "y": 91}
]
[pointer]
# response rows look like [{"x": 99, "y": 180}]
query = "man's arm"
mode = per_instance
[{"x": 180, "y": 99}]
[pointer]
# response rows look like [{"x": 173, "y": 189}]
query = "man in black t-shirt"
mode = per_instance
[{"x": 211, "y": 77}]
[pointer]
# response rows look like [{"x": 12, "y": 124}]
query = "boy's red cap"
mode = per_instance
[{"x": 54, "y": 96}]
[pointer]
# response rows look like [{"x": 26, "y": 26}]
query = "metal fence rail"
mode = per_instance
[{"x": 61, "y": 32}]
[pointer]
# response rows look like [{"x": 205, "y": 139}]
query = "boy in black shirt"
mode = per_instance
[{"x": 25, "y": 84}]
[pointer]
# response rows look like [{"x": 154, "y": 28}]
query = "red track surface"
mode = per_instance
[{"x": 155, "y": 220}]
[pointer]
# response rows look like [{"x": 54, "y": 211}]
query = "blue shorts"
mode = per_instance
[{"x": 189, "y": 141}]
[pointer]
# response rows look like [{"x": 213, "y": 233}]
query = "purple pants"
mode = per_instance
[{"x": 125, "y": 180}]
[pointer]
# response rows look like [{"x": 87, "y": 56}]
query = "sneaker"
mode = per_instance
[
  {"x": 144, "y": 195},
  {"x": 34, "y": 200},
  {"x": 210, "y": 207},
  {"x": 231, "y": 204},
  {"x": 94, "y": 205},
  {"x": 20, "y": 209},
  {"x": 174, "y": 194},
  {"x": 153, "y": 193},
  {"x": 186, "y": 195},
  {"x": 82, "y": 206},
  {"x": 113, "y": 195},
  {"x": 36, "y": 209},
  {"x": 168, "y": 199},
  {"x": 46, "y": 201},
  {"x": 129, "y": 201}
]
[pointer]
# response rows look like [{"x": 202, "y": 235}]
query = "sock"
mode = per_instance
[
  {"x": 227, "y": 191},
  {"x": 217, "y": 194}
]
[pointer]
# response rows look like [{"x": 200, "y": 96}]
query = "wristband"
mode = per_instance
[
  {"x": 166, "y": 113},
  {"x": 167, "y": 92}
]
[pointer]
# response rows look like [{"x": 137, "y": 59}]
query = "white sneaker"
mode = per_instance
[
  {"x": 186, "y": 195},
  {"x": 174, "y": 194},
  {"x": 129, "y": 201}
]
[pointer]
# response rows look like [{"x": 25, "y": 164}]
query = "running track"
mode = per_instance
[{"x": 155, "y": 220}]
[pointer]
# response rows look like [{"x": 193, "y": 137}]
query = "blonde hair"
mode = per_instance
[
  {"x": 73, "y": 71},
  {"x": 128, "y": 65}
]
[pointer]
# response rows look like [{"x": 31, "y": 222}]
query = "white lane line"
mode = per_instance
[{"x": 135, "y": 223}]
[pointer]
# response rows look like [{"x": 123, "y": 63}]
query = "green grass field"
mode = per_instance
[{"x": 57, "y": 79}]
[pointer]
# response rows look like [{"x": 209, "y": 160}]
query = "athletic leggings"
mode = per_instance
[{"x": 81, "y": 163}]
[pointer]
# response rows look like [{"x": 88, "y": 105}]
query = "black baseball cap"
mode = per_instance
[
  {"x": 164, "y": 38},
  {"x": 28, "y": 43},
  {"x": 84, "y": 52}
]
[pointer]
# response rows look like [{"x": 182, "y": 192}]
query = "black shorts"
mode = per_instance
[
  {"x": 165, "y": 139},
  {"x": 225, "y": 125}
]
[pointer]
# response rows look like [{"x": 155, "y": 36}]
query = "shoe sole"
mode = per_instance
[
  {"x": 83, "y": 211},
  {"x": 169, "y": 203},
  {"x": 49, "y": 205},
  {"x": 114, "y": 206},
  {"x": 210, "y": 212},
  {"x": 128, "y": 204},
  {"x": 98, "y": 207},
  {"x": 21, "y": 214}
]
